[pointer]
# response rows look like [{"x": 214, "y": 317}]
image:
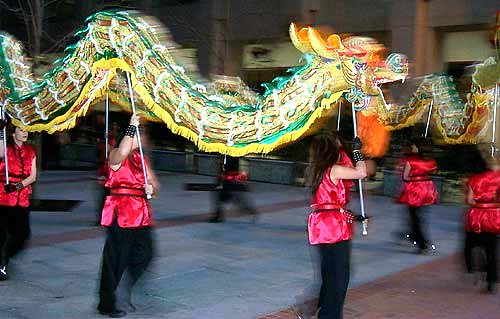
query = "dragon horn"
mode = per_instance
[
  {"x": 299, "y": 39},
  {"x": 323, "y": 48}
]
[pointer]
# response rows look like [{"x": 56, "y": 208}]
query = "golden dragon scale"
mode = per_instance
[{"x": 220, "y": 120}]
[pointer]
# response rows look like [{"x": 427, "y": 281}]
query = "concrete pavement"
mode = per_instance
[{"x": 236, "y": 269}]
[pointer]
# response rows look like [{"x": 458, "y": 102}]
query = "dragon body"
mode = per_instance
[
  {"x": 454, "y": 121},
  {"x": 224, "y": 117}
]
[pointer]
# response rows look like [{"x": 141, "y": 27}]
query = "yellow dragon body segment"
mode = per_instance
[
  {"x": 221, "y": 119},
  {"x": 454, "y": 121}
]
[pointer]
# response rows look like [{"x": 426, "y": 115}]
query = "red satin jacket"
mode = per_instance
[
  {"x": 484, "y": 216},
  {"x": 419, "y": 190},
  {"x": 20, "y": 160},
  {"x": 127, "y": 200},
  {"x": 327, "y": 224}
]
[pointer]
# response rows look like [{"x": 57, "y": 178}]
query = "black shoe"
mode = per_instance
[
  {"x": 130, "y": 307},
  {"x": 216, "y": 219},
  {"x": 3, "y": 273},
  {"x": 491, "y": 288},
  {"x": 112, "y": 313}
]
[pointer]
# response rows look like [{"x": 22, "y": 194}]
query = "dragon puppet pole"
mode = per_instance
[
  {"x": 360, "y": 183},
  {"x": 106, "y": 132},
  {"x": 494, "y": 129},
  {"x": 3, "y": 116},
  {"x": 132, "y": 103},
  {"x": 338, "y": 116},
  {"x": 429, "y": 118}
]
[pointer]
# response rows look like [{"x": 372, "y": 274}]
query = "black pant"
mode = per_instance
[
  {"x": 14, "y": 231},
  {"x": 487, "y": 242},
  {"x": 128, "y": 249},
  {"x": 335, "y": 264},
  {"x": 416, "y": 221},
  {"x": 235, "y": 192}
]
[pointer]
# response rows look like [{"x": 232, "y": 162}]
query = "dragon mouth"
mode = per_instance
[{"x": 384, "y": 80}]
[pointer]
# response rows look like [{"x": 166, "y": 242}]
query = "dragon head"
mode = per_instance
[{"x": 360, "y": 60}]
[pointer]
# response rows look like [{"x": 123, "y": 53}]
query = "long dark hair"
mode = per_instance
[
  {"x": 323, "y": 152},
  {"x": 424, "y": 145},
  {"x": 10, "y": 129}
]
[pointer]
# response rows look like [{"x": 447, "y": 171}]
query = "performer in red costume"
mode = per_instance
[
  {"x": 482, "y": 222},
  {"x": 418, "y": 190},
  {"x": 330, "y": 225},
  {"x": 232, "y": 187},
  {"x": 128, "y": 220},
  {"x": 15, "y": 196}
]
